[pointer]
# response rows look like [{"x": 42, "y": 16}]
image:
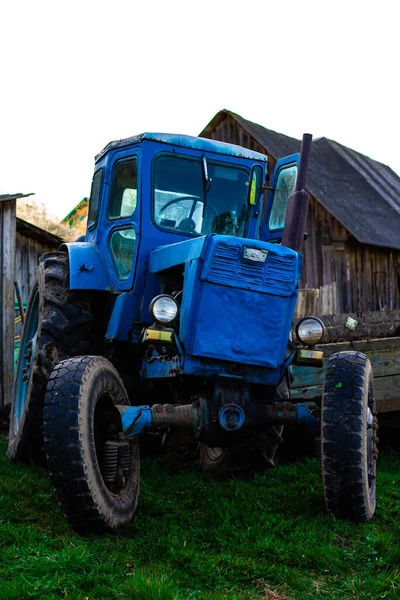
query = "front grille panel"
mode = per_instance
[{"x": 228, "y": 267}]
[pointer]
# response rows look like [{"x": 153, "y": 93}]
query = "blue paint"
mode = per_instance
[
  {"x": 306, "y": 418},
  {"x": 88, "y": 269},
  {"x": 120, "y": 326},
  {"x": 165, "y": 257},
  {"x": 160, "y": 368},
  {"x": 237, "y": 310},
  {"x": 186, "y": 141},
  {"x": 207, "y": 368},
  {"x": 136, "y": 419},
  {"x": 231, "y": 417}
]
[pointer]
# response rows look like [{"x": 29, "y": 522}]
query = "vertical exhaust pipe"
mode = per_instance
[{"x": 296, "y": 214}]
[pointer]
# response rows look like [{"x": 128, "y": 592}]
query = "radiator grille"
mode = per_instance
[{"x": 228, "y": 267}]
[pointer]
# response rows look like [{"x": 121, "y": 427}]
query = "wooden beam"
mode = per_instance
[
  {"x": 7, "y": 270},
  {"x": 384, "y": 355}
]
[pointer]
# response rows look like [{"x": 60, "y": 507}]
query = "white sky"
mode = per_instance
[{"x": 76, "y": 75}]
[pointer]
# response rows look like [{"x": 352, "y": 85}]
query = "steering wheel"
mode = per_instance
[{"x": 189, "y": 197}]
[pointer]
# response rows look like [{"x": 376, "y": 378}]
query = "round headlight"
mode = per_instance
[
  {"x": 310, "y": 331},
  {"x": 163, "y": 309}
]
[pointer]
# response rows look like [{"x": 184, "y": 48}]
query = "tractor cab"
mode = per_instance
[{"x": 158, "y": 189}]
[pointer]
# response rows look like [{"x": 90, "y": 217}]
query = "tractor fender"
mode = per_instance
[{"x": 87, "y": 268}]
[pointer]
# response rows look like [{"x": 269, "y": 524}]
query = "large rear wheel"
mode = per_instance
[
  {"x": 95, "y": 472},
  {"x": 57, "y": 325}
]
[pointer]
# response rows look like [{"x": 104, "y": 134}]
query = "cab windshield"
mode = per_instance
[{"x": 198, "y": 197}]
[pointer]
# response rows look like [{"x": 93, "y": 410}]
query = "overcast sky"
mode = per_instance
[{"x": 76, "y": 75}]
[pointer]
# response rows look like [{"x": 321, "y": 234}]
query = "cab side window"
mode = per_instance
[
  {"x": 94, "y": 199},
  {"x": 285, "y": 184},
  {"x": 123, "y": 196}
]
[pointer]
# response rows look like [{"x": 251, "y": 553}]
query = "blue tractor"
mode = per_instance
[{"x": 173, "y": 316}]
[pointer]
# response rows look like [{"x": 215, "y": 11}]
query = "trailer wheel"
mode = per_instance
[
  {"x": 57, "y": 325},
  {"x": 94, "y": 471},
  {"x": 349, "y": 440}
]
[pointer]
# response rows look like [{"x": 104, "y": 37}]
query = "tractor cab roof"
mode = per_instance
[{"x": 185, "y": 141}]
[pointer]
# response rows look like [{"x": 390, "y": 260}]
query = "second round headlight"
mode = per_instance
[
  {"x": 163, "y": 309},
  {"x": 310, "y": 331}
]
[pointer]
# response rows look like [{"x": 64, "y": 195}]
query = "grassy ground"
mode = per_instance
[{"x": 267, "y": 538}]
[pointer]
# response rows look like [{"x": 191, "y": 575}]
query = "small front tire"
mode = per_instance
[
  {"x": 349, "y": 440},
  {"x": 94, "y": 471}
]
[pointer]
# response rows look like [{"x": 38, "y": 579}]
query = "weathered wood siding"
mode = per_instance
[
  {"x": 28, "y": 252},
  {"x": 7, "y": 258},
  {"x": 384, "y": 354},
  {"x": 231, "y": 132},
  {"x": 377, "y": 335},
  {"x": 349, "y": 276}
]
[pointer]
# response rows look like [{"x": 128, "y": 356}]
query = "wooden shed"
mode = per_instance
[
  {"x": 30, "y": 243},
  {"x": 21, "y": 245},
  {"x": 352, "y": 255}
]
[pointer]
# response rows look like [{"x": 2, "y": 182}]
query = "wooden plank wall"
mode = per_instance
[
  {"x": 28, "y": 252},
  {"x": 384, "y": 354},
  {"x": 7, "y": 262},
  {"x": 377, "y": 334},
  {"x": 349, "y": 276}
]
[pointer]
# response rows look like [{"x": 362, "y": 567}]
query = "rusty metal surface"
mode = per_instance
[{"x": 167, "y": 415}]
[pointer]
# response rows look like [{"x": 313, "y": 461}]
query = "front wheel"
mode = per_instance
[
  {"x": 95, "y": 472},
  {"x": 349, "y": 440}
]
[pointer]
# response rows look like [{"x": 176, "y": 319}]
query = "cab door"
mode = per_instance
[
  {"x": 283, "y": 183},
  {"x": 120, "y": 229}
]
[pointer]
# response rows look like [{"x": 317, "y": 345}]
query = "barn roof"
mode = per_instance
[
  {"x": 361, "y": 193},
  {"x": 36, "y": 233}
]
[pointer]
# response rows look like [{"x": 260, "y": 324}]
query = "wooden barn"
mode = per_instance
[
  {"x": 352, "y": 255},
  {"x": 21, "y": 245}
]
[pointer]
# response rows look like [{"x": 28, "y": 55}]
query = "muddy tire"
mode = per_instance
[
  {"x": 222, "y": 463},
  {"x": 57, "y": 325},
  {"x": 215, "y": 462},
  {"x": 349, "y": 440},
  {"x": 95, "y": 473}
]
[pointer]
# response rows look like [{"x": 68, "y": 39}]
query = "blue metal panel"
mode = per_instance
[
  {"x": 189, "y": 306},
  {"x": 265, "y": 233},
  {"x": 165, "y": 257},
  {"x": 135, "y": 419},
  {"x": 226, "y": 265},
  {"x": 212, "y": 368},
  {"x": 241, "y": 310},
  {"x": 186, "y": 141},
  {"x": 158, "y": 368},
  {"x": 88, "y": 268},
  {"x": 121, "y": 324}
]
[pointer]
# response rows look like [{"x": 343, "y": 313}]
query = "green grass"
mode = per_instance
[{"x": 266, "y": 538}]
